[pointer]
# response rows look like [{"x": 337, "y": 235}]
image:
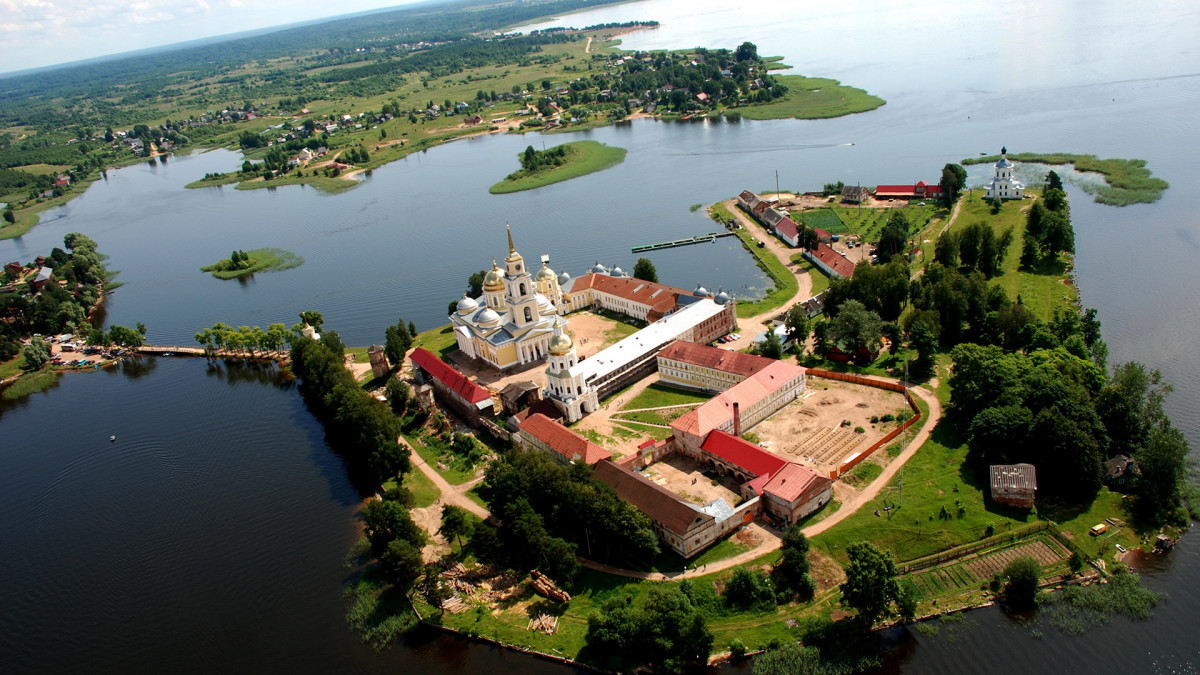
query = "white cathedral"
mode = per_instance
[
  {"x": 1003, "y": 185},
  {"x": 512, "y": 323}
]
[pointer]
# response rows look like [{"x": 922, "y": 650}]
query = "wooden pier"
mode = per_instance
[{"x": 699, "y": 239}]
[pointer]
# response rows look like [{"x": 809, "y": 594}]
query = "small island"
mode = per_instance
[
  {"x": 244, "y": 263},
  {"x": 562, "y": 162},
  {"x": 1127, "y": 181}
]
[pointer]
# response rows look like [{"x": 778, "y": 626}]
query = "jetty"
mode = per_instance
[
  {"x": 699, "y": 239},
  {"x": 177, "y": 350}
]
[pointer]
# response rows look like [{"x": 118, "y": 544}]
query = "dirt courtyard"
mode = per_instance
[
  {"x": 682, "y": 476},
  {"x": 810, "y": 431}
]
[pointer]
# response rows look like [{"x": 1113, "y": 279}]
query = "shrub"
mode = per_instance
[{"x": 737, "y": 649}]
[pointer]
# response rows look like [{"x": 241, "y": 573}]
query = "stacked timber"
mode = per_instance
[
  {"x": 545, "y": 587},
  {"x": 545, "y": 623}
]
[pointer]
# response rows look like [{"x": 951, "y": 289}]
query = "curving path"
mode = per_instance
[{"x": 451, "y": 494}]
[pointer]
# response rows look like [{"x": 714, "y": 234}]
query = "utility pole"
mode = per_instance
[{"x": 776, "y": 183}]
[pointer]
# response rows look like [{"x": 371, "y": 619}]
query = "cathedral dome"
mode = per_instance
[
  {"x": 617, "y": 272},
  {"x": 564, "y": 279},
  {"x": 545, "y": 274},
  {"x": 487, "y": 317},
  {"x": 722, "y": 297},
  {"x": 700, "y": 292},
  {"x": 494, "y": 279},
  {"x": 560, "y": 344},
  {"x": 467, "y": 305},
  {"x": 599, "y": 269}
]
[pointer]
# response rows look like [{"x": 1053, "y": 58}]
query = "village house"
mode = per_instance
[
  {"x": 830, "y": 261},
  {"x": 1120, "y": 472},
  {"x": 855, "y": 194},
  {"x": 1014, "y": 485}
]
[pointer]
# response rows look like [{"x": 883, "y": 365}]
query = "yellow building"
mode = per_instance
[{"x": 512, "y": 323}]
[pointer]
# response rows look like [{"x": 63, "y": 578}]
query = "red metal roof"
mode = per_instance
[
  {"x": 742, "y": 453},
  {"x": 840, "y": 263},
  {"x": 454, "y": 380},
  {"x": 658, "y": 297},
  {"x": 718, "y": 410},
  {"x": 657, "y": 502},
  {"x": 562, "y": 440},
  {"x": 787, "y": 228},
  {"x": 794, "y": 481},
  {"x": 907, "y": 191},
  {"x": 715, "y": 358}
]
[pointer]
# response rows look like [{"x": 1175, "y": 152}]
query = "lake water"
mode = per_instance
[{"x": 211, "y": 535}]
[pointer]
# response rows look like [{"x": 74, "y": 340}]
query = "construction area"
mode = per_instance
[
  {"x": 686, "y": 478},
  {"x": 822, "y": 429}
]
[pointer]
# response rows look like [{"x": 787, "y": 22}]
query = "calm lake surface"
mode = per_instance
[{"x": 211, "y": 535}]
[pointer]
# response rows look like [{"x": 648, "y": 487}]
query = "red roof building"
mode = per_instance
[
  {"x": 787, "y": 230},
  {"x": 564, "y": 445},
  {"x": 741, "y": 455},
  {"x": 695, "y": 366},
  {"x": 921, "y": 190},
  {"x": 683, "y": 527},
  {"x": 831, "y": 262},
  {"x": 754, "y": 399},
  {"x": 644, "y": 300},
  {"x": 454, "y": 389}
]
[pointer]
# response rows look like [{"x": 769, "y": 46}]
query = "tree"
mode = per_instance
[
  {"x": 1163, "y": 465},
  {"x": 644, "y": 269},
  {"x": 456, "y": 523},
  {"x": 1058, "y": 235},
  {"x": 857, "y": 327},
  {"x": 397, "y": 340},
  {"x": 402, "y": 563},
  {"x": 968, "y": 244},
  {"x": 771, "y": 347},
  {"x": 1029, "y": 251},
  {"x": 790, "y": 659},
  {"x": 398, "y": 395},
  {"x": 389, "y": 460},
  {"x": 1023, "y": 574},
  {"x": 9, "y": 215},
  {"x": 893, "y": 240},
  {"x": 797, "y": 324},
  {"x": 954, "y": 179},
  {"x": 749, "y": 589},
  {"x": 870, "y": 585},
  {"x": 37, "y": 354},
  {"x": 791, "y": 574},
  {"x": 747, "y": 51},
  {"x": 1053, "y": 182},
  {"x": 945, "y": 251},
  {"x": 313, "y": 319},
  {"x": 1055, "y": 200},
  {"x": 386, "y": 521}
]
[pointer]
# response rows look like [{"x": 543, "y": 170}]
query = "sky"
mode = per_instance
[{"x": 36, "y": 33}]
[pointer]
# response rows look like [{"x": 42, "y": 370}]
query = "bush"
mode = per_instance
[
  {"x": 750, "y": 589},
  {"x": 737, "y": 649},
  {"x": 1023, "y": 575}
]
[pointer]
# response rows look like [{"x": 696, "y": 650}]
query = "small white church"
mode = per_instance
[{"x": 1003, "y": 185}]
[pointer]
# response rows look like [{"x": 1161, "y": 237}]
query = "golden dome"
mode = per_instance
[
  {"x": 494, "y": 279},
  {"x": 560, "y": 344},
  {"x": 545, "y": 274}
]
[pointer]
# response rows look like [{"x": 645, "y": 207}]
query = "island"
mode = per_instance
[
  {"x": 562, "y": 162},
  {"x": 241, "y": 264},
  {"x": 1127, "y": 181}
]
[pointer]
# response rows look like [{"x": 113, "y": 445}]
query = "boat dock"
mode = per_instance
[{"x": 699, "y": 239}]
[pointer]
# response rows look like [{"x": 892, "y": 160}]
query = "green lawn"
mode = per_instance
[
  {"x": 784, "y": 278},
  {"x": 657, "y": 395},
  {"x": 30, "y": 384},
  {"x": 813, "y": 98},
  {"x": 423, "y": 490},
  {"x": 13, "y": 366},
  {"x": 583, "y": 157},
  {"x": 453, "y": 475},
  {"x": 1043, "y": 290},
  {"x": 820, "y": 280},
  {"x": 263, "y": 259},
  {"x": 438, "y": 340},
  {"x": 216, "y": 180}
]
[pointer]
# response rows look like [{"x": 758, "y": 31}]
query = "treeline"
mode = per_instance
[
  {"x": 361, "y": 427},
  {"x": 548, "y": 513},
  {"x": 537, "y": 160},
  {"x": 251, "y": 341},
  {"x": 57, "y": 308},
  {"x": 1048, "y": 229}
]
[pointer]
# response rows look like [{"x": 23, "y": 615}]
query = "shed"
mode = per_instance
[{"x": 1014, "y": 485}]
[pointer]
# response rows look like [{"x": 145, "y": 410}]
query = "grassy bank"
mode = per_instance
[
  {"x": 583, "y": 157},
  {"x": 813, "y": 98},
  {"x": 216, "y": 180},
  {"x": 262, "y": 260},
  {"x": 785, "y": 280},
  {"x": 30, "y": 383},
  {"x": 1128, "y": 180}
]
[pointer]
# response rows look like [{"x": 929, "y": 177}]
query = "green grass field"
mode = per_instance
[
  {"x": 438, "y": 340},
  {"x": 657, "y": 395},
  {"x": 423, "y": 490},
  {"x": 820, "y": 280},
  {"x": 583, "y": 157},
  {"x": 813, "y": 98}
]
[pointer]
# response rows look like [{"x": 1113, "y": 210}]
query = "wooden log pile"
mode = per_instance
[
  {"x": 544, "y": 586},
  {"x": 545, "y": 623}
]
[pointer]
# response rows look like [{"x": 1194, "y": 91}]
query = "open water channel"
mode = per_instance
[{"x": 210, "y": 536}]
